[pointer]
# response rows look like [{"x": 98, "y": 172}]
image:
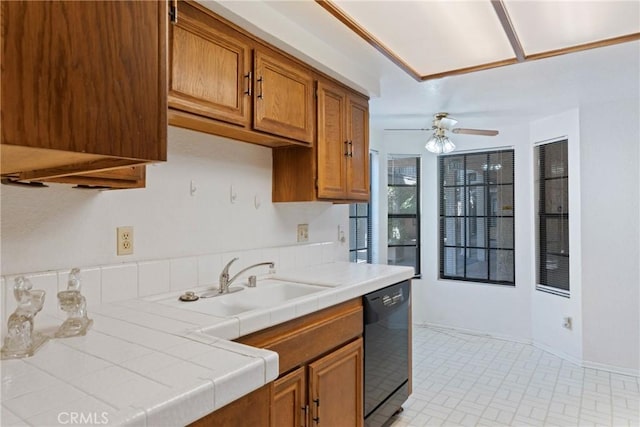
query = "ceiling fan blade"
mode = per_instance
[
  {"x": 420, "y": 129},
  {"x": 484, "y": 132}
]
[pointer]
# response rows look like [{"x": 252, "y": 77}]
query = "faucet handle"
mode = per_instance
[
  {"x": 226, "y": 267},
  {"x": 225, "y": 271}
]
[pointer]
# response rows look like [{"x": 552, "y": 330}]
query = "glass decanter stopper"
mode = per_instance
[
  {"x": 21, "y": 339},
  {"x": 75, "y": 304}
]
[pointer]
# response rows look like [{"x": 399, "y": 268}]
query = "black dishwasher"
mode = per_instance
[{"x": 386, "y": 352}]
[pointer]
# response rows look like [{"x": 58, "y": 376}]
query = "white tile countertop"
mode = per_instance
[{"x": 157, "y": 361}]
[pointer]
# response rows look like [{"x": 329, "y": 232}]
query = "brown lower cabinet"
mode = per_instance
[
  {"x": 320, "y": 358},
  {"x": 252, "y": 410},
  {"x": 326, "y": 392}
]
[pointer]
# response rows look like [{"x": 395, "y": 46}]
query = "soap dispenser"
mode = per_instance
[
  {"x": 75, "y": 304},
  {"x": 21, "y": 339}
]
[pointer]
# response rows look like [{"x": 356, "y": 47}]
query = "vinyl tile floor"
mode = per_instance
[{"x": 472, "y": 380}]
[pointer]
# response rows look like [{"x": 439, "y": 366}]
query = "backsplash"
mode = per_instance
[{"x": 108, "y": 283}]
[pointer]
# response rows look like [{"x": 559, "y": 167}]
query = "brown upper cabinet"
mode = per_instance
[
  {"x": 283, "y": 99},
  {"x": 83, "y": 87},
  {"x": 225, "y": 82},
  {"x": 343, "y": 144},
  {"x": 210, "y": 68},
  {"x": 338, "y": 167}
]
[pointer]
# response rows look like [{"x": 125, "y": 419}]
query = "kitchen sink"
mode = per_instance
[
  {"x": 272, "y": 292},
  {"x": 268, "y": 293}
]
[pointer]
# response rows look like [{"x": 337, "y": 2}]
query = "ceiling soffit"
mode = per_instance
[{"x": 436, "y": 38}]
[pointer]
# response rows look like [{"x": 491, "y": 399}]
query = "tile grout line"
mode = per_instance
[
  {"x": 476, "y": 381},
  {"x": 522, "y": 397},
  {"x": 546, "y": 375},
  {"x": 555, "y": 386}
]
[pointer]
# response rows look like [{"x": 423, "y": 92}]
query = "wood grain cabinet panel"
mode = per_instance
[
  {"x": 335, "y": 387},
  {"x": 209, "y": 68},
  {"x": 325, "y": 392},
  {"x": 83, "y": 78},
  {"x": 343, "y": 144},
  {"x": 290, "y": 407},
  {"x": 333, "y": 147},
  {"x": 338, "y": 168},
  {"x": 320, "y": 364},
  {"x": 358, "y": 140},
  {"x": 252, "y": 410},
  {"x": 225, "y": 81},
  {"x": 283, "y": 97}
]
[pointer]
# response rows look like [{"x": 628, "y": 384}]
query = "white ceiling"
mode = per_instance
[
  {"x": 431, "y": 38},
  {"x": 488, "y": 98},
  {"x": 514, "y": 94}
]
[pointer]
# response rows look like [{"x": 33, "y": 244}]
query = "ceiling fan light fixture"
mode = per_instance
[
  {"x": 447, "y": 145},
  {"x": 439, "y": 144}
]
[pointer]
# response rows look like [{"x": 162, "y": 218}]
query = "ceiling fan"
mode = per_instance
[{"x": 438, "y": 142}]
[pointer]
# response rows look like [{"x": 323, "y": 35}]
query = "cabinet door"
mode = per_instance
[
  {"x": 332, "y": 144},
  {"x": 209, "y": 68},
  {"x": 84, "y": 77},
  {"x": 290, "y": 399},
  {"x": 358, "y": 160},
  {"x": 283, "y": 97},
  {"x": 335, "y": 387},
  {"x": 253, "y": 409}
]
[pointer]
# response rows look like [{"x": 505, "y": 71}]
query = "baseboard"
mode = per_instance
[
  {"x": 576, "y": 361},
  {"x": 614, "y": 369},
  {"x": 475, "y": 332},
  {"x": 561, "y": 354}
]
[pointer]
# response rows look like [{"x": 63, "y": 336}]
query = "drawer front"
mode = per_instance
[{"x": 302, "y": 340}]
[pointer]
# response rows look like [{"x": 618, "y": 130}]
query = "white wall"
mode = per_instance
[
  {"x": 604, "y": 240},
  {"x": 500, "y": 310},
  {"x": 60, "y": 227},
  {"x": 549, "y": 310},
  {"x": 610, "y": 136}
]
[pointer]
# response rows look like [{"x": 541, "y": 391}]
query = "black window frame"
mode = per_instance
[
  {"x": 415, "y": 216},
  {"x": 442, "y": 217},
  {"x": 542, "y": 218},
  {"x": 355, "y": 231}
]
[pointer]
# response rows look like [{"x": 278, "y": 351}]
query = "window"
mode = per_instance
[
  {"x": 360, "y": 232},
  {"x": 552, "y": 225},
  {"x": 477, "y": 217},
  {"x": 362, "y": 220},
  {"x": 403, "y": 195}
]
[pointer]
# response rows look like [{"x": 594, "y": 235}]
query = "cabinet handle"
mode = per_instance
[
  {"x": 305, "y": 415},
  {"x": 316, "y": 419},
  {"x": 261, "y": 81},
  {"x": 173, "y": 11},
  {"x": 248, "y": 77},
  {"x": 350, "y": 148},
  {"x": 346, "y": 148}
]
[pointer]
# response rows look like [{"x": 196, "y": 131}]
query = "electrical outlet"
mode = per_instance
[
  {"x": 303, "y": 233},
  {"x": 124, "y": 240}
]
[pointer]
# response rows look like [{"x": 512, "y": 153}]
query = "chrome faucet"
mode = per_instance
[{"x": 225, "y": 282}]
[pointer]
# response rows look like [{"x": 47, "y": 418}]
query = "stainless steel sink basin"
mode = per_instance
[{"x": 268, "y": 293}]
